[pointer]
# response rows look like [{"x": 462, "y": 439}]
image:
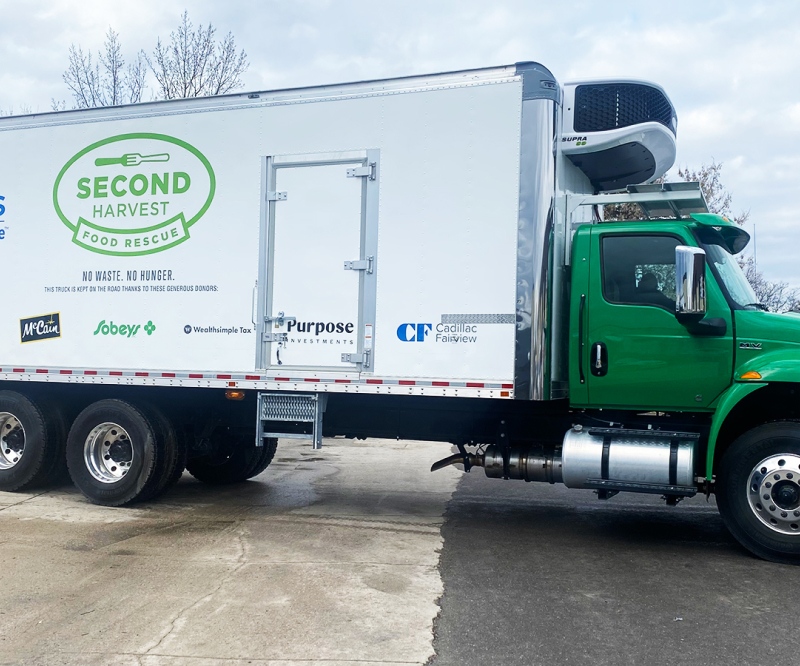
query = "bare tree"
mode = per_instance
[
  {"x": 104, "y": 80},
  {"x": 775, "y": 296},
  {"x": 717, "y": 197},
  {"x": 195, "y": 64},
  {"x": 626, "y": 211},
  {"x": 710, "y": 178},
  {"x": 24, "y": 110}
]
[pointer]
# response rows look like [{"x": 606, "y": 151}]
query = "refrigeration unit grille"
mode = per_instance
[{"x": 601, "y": 107}]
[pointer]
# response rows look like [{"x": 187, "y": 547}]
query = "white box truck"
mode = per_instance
[{"x": 184, "y": 282}]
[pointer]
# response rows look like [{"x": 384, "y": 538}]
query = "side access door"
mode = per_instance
[
  {"x": 317, "y": 283},
  {"x": 632, "y": 350}
]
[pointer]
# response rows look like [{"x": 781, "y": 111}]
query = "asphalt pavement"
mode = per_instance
[
  {"x": 537, "y": 574},
  {"x": 356, "y": 555}
]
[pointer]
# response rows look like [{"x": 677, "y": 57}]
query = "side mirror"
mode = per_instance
[{"x": 690, "y": 284}]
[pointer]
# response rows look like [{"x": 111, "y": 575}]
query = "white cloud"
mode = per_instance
[{"x": 730, "y": 67}]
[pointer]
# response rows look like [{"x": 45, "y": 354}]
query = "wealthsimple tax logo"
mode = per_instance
[{"x": 134, "y": 194}]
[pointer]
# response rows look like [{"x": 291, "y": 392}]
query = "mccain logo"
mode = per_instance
[{"x": 43, "y": 327}]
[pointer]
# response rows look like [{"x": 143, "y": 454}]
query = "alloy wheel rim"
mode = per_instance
[
  {"x": 773, "y": 493},
  {"x": 12, "y": 440},
  {"x": 108, "y": 452}
]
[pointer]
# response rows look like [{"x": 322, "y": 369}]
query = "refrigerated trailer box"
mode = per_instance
[{"x": 186, "y": 281}]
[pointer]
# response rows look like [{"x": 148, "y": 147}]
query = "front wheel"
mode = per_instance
[{"x": 758, "y": 491}]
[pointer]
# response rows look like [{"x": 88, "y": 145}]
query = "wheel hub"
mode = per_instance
[
  {"x": 12, "y": 440},
  {"x": 108, "y": 452},
  {"x": 774, "y": 493}
]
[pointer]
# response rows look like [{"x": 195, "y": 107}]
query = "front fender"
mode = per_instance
[
  {"x": 725, "y": 405},
  {"x": 778, "y": 366}
]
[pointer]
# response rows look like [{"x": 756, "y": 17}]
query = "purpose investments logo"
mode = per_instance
[{"x": 133, "y": 194}]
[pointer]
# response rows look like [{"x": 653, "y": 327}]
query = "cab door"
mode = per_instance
[{"x": 635, "y": 353}]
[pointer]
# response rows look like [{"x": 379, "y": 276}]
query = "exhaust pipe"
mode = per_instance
[{"x": 523, "y": 464}]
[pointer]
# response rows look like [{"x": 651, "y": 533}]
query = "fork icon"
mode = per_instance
[{"x": 131, "y": 159}]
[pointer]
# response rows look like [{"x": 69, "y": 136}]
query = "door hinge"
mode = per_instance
[
  {"x": 277, "y": 196},
  {"x": 368, "y": 171},
  {"x": 276, "y": 337},
  {"x": 363, "y": 359},
  {"x": 360, "y": 265}
]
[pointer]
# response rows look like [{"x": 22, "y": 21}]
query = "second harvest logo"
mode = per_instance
[{"x": 133, "y": 194}]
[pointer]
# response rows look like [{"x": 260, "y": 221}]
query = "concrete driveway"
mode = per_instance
[{"x": 329, "y": 557}]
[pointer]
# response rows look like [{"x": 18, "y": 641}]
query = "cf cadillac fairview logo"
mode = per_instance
[
  {"x": 43, "y": 327},
  {"x": 133, "y": 194}
]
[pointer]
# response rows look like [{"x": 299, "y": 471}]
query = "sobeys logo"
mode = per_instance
[
  {"x": 133, "y": 194},
  {"x": 125, "y": 330}
]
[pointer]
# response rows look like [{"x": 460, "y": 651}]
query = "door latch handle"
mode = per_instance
[
  {"x": 599, "y": 359},
  {"x": 279, "y": 320}
]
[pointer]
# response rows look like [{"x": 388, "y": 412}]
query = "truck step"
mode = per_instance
[{"x": 292, "y": 415}]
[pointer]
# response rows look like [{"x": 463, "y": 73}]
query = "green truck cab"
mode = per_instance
[{"x": 645, "y": 336}]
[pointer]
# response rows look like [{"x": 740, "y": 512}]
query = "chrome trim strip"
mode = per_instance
[{"x": 536, "y": 219}]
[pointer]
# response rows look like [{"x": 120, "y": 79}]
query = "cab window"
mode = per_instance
[{"x": 639, "y": 270}]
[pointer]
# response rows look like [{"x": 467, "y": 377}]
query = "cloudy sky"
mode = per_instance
[{"x": 731, "y": 68}]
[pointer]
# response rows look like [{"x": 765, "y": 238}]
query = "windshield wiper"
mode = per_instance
[{"x": 760, "y": 306}]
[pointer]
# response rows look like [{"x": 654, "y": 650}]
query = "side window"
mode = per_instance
[{"x": 639, "y": 270}]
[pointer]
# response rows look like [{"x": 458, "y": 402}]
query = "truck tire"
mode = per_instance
[
  {"x": 232, "y": 460},
  {"x": 262, "y": 462},
  {"x": 182, "y": 450},
  {"x": 758, "y": 491},
  {"x": 31, "y": 442},
  {"x": 168, "y": 440},
  {"x": 118, "y": 453}
]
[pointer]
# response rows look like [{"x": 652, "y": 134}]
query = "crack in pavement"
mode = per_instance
[
  {"x": 241, "y": 561},
  {"x": 27, "y": 499}
]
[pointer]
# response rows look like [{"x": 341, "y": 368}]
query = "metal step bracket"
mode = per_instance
[
  {"x": 277, "y": 410},
  {"x": 657, "y": 200}
]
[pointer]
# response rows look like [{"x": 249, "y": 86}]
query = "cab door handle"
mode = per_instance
[{"x": 598, "y": 359}]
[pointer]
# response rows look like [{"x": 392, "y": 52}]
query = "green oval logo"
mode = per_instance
[{"x": 134, "y": 194}]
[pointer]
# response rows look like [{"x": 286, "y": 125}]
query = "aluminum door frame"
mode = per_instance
[{"x": 367, "y": 291}]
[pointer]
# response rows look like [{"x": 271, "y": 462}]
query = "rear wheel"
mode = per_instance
[
  {"x": 169, "y": 444},
  {"x": 758, "y": 491},
  {"x": 232, "y": 459},
  {"x": 118, "y": 453},
  {"x": 31, "y": 442},
  {"x": 267, "y": 454},
  {"x": 182, "y": 451}
]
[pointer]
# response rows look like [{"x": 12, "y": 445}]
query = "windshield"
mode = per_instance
[{"x": 732, "y": 276}]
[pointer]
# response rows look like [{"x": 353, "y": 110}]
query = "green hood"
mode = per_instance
[{"x": 769, "y": 344}]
